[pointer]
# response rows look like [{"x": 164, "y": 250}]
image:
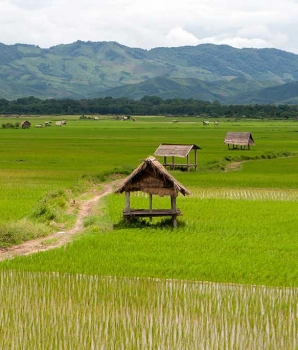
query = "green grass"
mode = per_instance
[
  {"x": 62, "y": 311},
  {"x": 251, "y": 211},
  {"x": 250, "y": 241},
  {"x": 145, "y": 285}
]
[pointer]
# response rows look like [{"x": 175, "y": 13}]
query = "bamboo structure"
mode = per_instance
[
  {"x": 151, "y": 177},
  {"x": 178, "y": 150},
  {"x": 241, "y": 139}
]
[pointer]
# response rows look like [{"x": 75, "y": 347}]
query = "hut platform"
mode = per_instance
[{"x": 151, "y": 213}]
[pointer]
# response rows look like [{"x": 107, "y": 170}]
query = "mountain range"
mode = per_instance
[{"x": 87, "y": 70}]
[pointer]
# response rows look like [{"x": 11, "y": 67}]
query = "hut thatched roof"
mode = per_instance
[
  {"x": 175, "y": 150},
  {"x": 239, "y": 138},
  {"x": 25, "y": 122},
  {"x": 152, "y": 177}
]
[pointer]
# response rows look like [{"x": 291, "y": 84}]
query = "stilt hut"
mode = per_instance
[
  {"x": 151, "y": 177},
  {"x": 241, "y": 139},
  {"x": 177, "y": 150},
  {"x": 25, "y": 124}
]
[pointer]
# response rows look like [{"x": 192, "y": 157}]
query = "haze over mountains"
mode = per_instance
[{"x": 87, "y": 70}]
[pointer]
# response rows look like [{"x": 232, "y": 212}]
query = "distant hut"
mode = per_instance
[
  {"x": 25, "y": 124},
  {"x": 178, "y": 150},
  {"x": 151, "y": 177},
  {"x": 241, "y": 139}
]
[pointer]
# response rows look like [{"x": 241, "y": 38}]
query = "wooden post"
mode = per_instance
[
  {"x": 188, "y": 162},
  {"x": 173, "y": 202},
  {"x": 127, "y": 205},
  {"x": 127, "y": 201},
  {"x": 173, "y": 162},
  {"x": 164, "y": 161},
  {"x": 174, "y": 217},
  {"x": 196, "y": 160},
  {"x": 150, "y": 205},
  {"x": 173, "y": 207}
]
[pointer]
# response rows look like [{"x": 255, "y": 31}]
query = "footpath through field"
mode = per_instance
[{"x": 59, "y": 238}]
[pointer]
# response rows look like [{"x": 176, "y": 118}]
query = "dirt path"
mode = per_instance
[
  {"x": 234, "y": 166},
  {"x": 59, "y": 238}
]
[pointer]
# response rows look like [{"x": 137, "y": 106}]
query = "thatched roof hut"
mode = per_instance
[
  {"x": 25, "y": 124},
  {"x": 177, "y": 150},
  {"x": 241, "y": 139},
  {"x": 151, "y": 177}
]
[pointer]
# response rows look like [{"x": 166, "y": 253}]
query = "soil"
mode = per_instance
[
  {"x": 234, "y": 166},
  {"x": 57, "y": 239}
]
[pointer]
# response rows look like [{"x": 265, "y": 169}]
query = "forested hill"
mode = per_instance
[{"x": 100, "y": 69}]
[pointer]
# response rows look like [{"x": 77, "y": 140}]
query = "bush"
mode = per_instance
[
  {"x": 44, "y": 211},
  {"x": 10, "y": 125},
  {"x": 21, "y": 231},
  {"x": 50, "y": 207}
]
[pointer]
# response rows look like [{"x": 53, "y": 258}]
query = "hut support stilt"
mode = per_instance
[
  {"x": 196, "y": 160},
  {"x": 188, "y": 166},
  {"x": 150, "y": 205},
  {"x": 127, "y": 205},
  {"x": 173, "y": 207}
]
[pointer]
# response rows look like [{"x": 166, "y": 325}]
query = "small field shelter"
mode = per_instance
[
  {"x": 178, "y": 150},
  {"x": 240, "y": 139},
  {"x": 151, "y": 177},
  {"x": 25, "y": 124}
]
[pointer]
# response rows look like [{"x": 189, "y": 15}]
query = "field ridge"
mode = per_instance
[{"x": 59, "y": 238}]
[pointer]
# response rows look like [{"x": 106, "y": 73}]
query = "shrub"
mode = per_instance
[
  {"x": 50, "y": 207},
  {"x": 21, "y": 231}
]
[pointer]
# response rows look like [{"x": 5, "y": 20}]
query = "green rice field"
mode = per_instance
[{"x": 226, "y": 278}]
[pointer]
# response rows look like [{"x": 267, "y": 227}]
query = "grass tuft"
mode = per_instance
[{"x": 20, "y": 231}]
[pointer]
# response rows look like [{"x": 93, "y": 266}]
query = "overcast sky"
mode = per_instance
[{"x": 154, "y": 23}]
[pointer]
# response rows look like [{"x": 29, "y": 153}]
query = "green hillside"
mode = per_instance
[
  {"x": 286, "y": 93},
  {"x": 97, "y": 69}
]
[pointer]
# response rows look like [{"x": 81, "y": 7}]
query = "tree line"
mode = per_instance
[{"x": 148, "y": 105}]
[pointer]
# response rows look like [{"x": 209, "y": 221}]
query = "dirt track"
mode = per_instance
[{"x": 61, "y": 237}]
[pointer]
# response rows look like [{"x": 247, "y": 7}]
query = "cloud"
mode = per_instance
[
  {"x": 31, "y": 4},
  {"x": 179, "y": 37},
  {"x": 144, "y": 24}
]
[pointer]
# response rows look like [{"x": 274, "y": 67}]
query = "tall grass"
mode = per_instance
[{"x": 58, "y": 311}]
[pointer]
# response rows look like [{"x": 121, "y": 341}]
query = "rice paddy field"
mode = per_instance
[{"x": 226, "y": 278}]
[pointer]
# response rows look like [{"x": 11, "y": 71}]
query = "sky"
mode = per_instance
[{"x": 149, "y": 24}]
